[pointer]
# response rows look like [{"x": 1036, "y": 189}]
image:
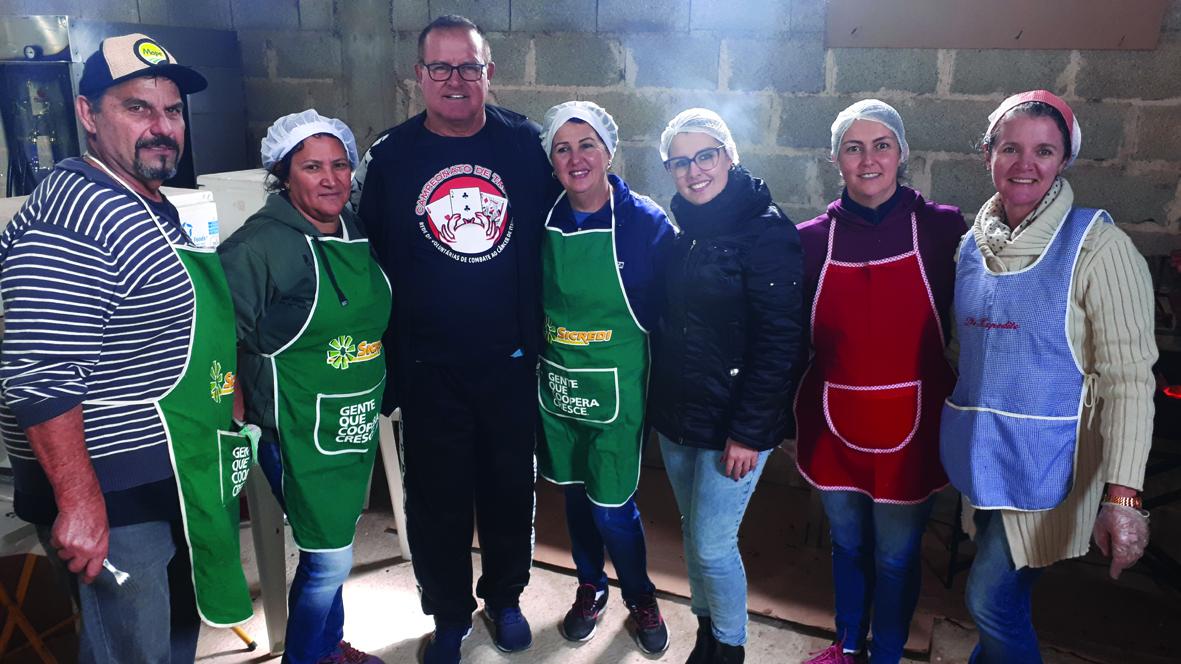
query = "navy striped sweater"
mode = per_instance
[{"x": 97, "y": 308}]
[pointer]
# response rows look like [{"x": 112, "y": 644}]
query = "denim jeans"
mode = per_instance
[
  {"x": 617, "y": 529},
  {"x": 315, "y": 605},
  {"x": 999, "y": 598},
  {"x": 152, "y": 617},
  {"x": 712, "y": 506},
  {"x": 876, "y": 569}
]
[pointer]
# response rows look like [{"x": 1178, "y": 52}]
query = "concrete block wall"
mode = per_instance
[{"x": 762, "y": 64}]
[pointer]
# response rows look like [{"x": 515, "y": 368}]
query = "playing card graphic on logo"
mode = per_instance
[{"x": 467, "y": 214}]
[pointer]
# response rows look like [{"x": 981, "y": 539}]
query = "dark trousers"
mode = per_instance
[
  {"x": 617, "y": 530},
  {"x": 468, "y": 457},
  {"x": 152, "y": 617}
]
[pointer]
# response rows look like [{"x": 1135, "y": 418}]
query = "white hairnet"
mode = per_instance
[
  {"x": 587, "y": 111},
  {"x": 289, "y": 130},
  {"x": 698, "y": 121},
  {"x": 874, "y": 110}
]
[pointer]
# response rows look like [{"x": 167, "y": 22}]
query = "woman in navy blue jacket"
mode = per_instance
[{"x": 603, "y": 254}]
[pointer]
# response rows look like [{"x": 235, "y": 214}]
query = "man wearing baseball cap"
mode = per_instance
[{"x": 117, "y": 377}]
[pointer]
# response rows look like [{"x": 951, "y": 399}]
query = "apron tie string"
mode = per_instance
[{"x": 1089, "y": 384}]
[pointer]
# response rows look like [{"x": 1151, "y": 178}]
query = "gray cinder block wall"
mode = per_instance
[{"x": 762, "y": 64}]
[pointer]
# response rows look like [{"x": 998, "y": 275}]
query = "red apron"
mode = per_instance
[{"x": 867, "y": 411}]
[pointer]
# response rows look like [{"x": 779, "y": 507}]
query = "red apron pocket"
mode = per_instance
[{"x": 873, "y": 418}]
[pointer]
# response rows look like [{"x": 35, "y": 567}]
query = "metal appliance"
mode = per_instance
[{"x": 41, "y": 60}]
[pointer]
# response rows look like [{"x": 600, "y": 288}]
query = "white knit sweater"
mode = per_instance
[{"x": 1111, "y": 328}]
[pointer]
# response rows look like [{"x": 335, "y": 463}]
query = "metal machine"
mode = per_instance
[{"x": 41, "y": 59}]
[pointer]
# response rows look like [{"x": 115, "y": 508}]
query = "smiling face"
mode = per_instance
[
  {"x": 137, "y": 129},
  {"x": 454, "y": 107},
  {"x": 868, "y": 159},
  {"x": 318, "y": 182},
  {"x": 580, "y": 162},
  {"x": 1026, "y": 156},
  {"x": 695, "y": 185}
]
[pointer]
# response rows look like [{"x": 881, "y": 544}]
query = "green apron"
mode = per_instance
[
  {"x": 594, "y": 367},
  {"x": 210, "y": 462},
  {"x": 329, "y": 381}
]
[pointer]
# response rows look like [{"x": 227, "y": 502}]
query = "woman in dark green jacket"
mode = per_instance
[{"x": 311, "y": 306}]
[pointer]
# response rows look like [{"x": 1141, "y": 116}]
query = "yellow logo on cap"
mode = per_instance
[{"x": 151, "y": 53}]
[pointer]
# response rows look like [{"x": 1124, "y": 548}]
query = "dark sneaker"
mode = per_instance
[
  {"x": 582, "y": 619},
  {"x": 510, "y": 630},
  {"x": 651, "y": 633},
  {"x": 443, "y": 646}
]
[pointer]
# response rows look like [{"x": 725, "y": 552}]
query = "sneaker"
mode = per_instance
[
  {"x": 651, "y": 632},
  {"x": 510, "y": 630},
  {"x": 443, "y": 646},
  {"x": 834, "y": 654},
  {"x": 582, "y": 619},
  {"x": 345, "y": 653}
]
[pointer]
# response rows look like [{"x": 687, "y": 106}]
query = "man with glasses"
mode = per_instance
[{"x": 454, "y": 200}]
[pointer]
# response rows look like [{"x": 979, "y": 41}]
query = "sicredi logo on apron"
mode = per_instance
[
  {"x": 342, "y": 352},
  {"x": 220, "y": 384}
]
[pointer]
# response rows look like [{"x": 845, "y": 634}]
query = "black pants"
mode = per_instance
[{"x": 468, "y": 440}]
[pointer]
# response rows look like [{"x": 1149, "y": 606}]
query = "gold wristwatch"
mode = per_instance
[{"x": 1135, "y": 502}]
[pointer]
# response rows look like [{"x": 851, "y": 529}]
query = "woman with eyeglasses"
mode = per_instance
[
  {"x": 878, "y": 277},
  {"x": 724, "y": 362}
]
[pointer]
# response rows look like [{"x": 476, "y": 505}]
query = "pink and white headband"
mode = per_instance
[{"x": 1046, "y": 97}]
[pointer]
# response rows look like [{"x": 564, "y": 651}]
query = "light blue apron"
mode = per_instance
[{"x": 1010, "y": 429}]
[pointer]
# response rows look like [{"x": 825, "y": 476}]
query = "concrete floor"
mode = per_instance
[{"x": 382, "y": 617}]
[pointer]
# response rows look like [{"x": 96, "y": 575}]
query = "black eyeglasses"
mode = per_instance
[
  {"x": 441, "y": 71},
  {"x": 706, "y": 160}
]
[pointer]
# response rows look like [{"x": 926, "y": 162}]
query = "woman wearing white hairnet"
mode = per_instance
[
  {"x": 878, "y": 279},
  {"x": 312, "y": 306},
  {"x": 725, "y": 358},
  {"x": 603, "y": 255}
]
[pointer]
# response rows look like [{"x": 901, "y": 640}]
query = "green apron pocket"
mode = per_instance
[
  {"x": 589, "y": 395},
  {"x": 235, "y": 456},
  {"x": 347, "y": 423}
]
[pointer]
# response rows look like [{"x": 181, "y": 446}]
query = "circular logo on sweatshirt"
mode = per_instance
[{"x": 463, "y": 212}]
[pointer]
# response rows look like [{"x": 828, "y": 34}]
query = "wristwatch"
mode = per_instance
[{"x": 1135, "y": 502}]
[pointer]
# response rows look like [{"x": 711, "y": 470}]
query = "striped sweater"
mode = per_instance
[
  {"x": 97, "y": 308},
  {"x": 1111, "y": 329}
]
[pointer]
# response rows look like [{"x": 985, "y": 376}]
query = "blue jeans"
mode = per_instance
[
  {"x": 1000, "y": 598},
  {"x": 712, "y": 506},
  {"x": 876, "y": 568},
  {"x": 152, "y": 617},
  {"x": 619, "y": 530},
  {"x": 315, "y": 624}
]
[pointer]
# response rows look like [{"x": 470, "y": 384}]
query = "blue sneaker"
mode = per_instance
[
  {"x": 443, "y": 646},
  {"x": 510, "y": 630}
]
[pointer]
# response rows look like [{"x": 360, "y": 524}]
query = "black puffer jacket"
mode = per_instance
[{"x": 726, "y": 349}]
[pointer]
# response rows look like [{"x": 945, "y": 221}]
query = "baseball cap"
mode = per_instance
[{"x": 128, "y": 56}]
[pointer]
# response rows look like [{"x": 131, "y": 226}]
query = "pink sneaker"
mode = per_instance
[
  {"x": 347, "y": 654},
  {"x": 834, "y": 654}
]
